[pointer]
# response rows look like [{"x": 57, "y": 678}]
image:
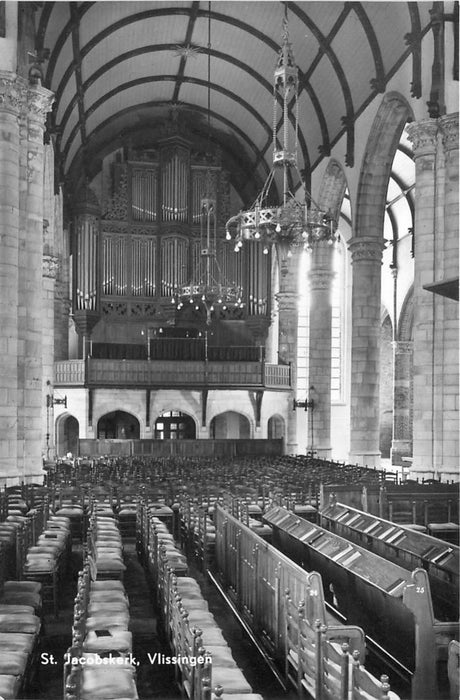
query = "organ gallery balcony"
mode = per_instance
[{"x": 112, "y": 372}]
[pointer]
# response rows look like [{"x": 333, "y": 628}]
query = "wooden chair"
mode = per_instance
[
  {"x": 310, "y": 658},
  {"x": 291, "y": 651},
  {"x": 365, "y": 686},
  {"x": 335, "y": 666}
]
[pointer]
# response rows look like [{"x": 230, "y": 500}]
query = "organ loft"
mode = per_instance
[{"x": 229, "y": 369}]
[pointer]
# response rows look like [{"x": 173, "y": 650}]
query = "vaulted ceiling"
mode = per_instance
[{"x": 120, "y": 70}]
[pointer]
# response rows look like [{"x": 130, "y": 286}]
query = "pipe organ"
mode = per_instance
[
  {"x": 85, "y": 277},
  {"x": 149, "y": 244}
]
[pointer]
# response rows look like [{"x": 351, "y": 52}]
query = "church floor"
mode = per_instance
[{"x": 154, "y": 682}]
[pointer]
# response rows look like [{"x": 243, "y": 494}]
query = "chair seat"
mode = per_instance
[
  {"x": 111, "y": 596},
  {"x": 105, "y": 640},
  {"x": 9, "y": 686},
  {"x": 11, "y": 597},
  {"x": 26, "y": 624},
  {"x": 53, "y": 549},
  {"x": 439, "y": 527},
  {"x": 12, "y": 662},
  {"x": 187, "y": 582},
  {"x": 212, "y": 635},
  {"x": 221, "y": 656},
  {"x": 105, "y": 620},
  {"x": 59, "y": 519},
  {"x": 70, "y": 511},
  {"x": 200, "y": 617},
  {"x": 15, "y": 609},
  {"x": 231, "y": 679},
  {"x": 110, "y": 564},
  {"x": 22, "y": 586},
  {"x": 40, "y": 564},
  {"x": 108, "y": 683},
  {"x": 15, "y": 641},
  {"x": 107, "y": 586},
  {"x": 103, "y": 550},
  {"x": 99, "y": 607},
  {"x": 194, "y": 602}
]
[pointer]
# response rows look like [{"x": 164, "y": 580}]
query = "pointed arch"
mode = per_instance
[
  {"x": 390, "y": 120},
  {"x": 406, "y": 317}
]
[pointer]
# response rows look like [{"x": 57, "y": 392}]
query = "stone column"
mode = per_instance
[
  {"x": 424, "y": 136},
  {"x": 38, "y": 104},
  {"x": 401, "y": 445},
  {"x": 366, "y": 255},
  {"x": 450, "y": 329},
  {"x": 49, "y": 272},
  {"x": 320, "y": 276},
  {"x": 287, "y": 300},
  {"x": 11, "y": 96}
]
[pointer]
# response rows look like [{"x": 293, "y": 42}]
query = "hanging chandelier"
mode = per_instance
[
  {"x": 293, "y": 223},
  {"x": 208, "y": 290}
]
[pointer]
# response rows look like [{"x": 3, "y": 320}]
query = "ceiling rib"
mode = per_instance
[
  {"x": 187, "y": 42},
  {"x": 378, "y": 83},
  {"x": 75, "y": 22},
  {"x": 161, "y": 47}
]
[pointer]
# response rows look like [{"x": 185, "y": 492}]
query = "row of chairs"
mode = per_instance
[
  {"x": 99, "y": 664},
  {"x": 205, "y": 667},
  {"x": 320, "y": 664},
  {"x": 47, "y": 559},
  {"x": 20, "y": 614}
]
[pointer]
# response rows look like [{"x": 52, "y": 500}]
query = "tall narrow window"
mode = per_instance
[{"x": 339, "y": 292}]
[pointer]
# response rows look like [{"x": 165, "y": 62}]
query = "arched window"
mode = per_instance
[
  {"x": 174, "y": 425},
  {"x": 118, "y": 425},
  {"x": 230, "y": 425},
  {"x": 339, "y": 306}
]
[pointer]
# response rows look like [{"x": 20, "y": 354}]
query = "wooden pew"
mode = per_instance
[
  {"x": 410, "y": 550},
  {"x": 373, "y": 593}
]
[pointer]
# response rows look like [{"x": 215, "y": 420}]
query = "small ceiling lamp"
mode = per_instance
[{"x": 292, "y": 223}]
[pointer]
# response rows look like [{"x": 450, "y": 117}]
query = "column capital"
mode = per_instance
[
  {"x": 13, "y": 92},
  {"x": 39, "y": 103},
  {"x": 50, "y": 266},
  {"x": 320, "y": 278},
  {"x": 449, "y": 129},
  {"x": 366, "y": 249},
  {"x": 287, "y": 300},
  {"x": 424, "y": 136},
  {"x": 403, "y": 347}
]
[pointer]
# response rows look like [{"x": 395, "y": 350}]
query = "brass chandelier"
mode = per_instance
[
  {"x": 293, "y": 223},
  {"x": 208, "y": 290}
]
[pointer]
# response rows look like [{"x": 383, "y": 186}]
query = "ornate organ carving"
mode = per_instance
[{"x": 151, "y": 244}]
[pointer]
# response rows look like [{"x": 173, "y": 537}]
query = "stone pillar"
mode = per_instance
[
  {"x": 401, "y": 445},
  {"x": 38, "y": 104},
  {"x": 320, "y": 276},
  {"x": 11, "y": 96},
  {"x": 450, "y": 329},
  {"x": 49, "y": 272},
  {"x": 424, "y": 136},
  {"x": 287, "y": 300},
  {"x": 366, "y": 255}
]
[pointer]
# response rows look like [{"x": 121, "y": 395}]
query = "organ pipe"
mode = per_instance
[
  {"x": 86, "y": 257},
  {"x": 174, "y": 185}
]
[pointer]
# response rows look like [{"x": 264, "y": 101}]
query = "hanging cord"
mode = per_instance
[{"x": 209, "y": 74}]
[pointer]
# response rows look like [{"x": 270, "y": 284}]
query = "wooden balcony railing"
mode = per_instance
[{"x": 163, "y": 373}]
